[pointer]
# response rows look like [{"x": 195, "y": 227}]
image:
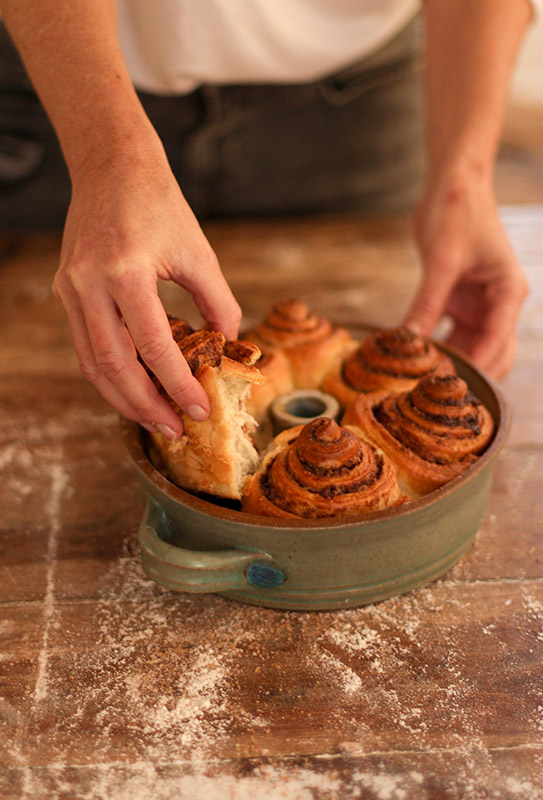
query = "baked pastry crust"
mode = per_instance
[
  {"x": 321, "y": 470},
  {"x": 275, "y": 367},
  {"x": 214, "y": 456},
  {"x": 422, "y": 434},
  {"x": 393, "y": 359},
  {"x": 310, "y": 343},
  {"x": 431, "y": 433}
]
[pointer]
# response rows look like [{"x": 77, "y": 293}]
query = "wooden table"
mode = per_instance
[{"x": 114, "y": 688}]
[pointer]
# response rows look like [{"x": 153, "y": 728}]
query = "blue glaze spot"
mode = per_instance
[{"x": 260, "y": 574}]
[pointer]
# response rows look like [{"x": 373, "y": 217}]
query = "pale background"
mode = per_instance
[{"x": 527, "y": 85}]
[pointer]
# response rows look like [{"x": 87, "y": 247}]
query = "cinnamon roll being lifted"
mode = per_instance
[
  {"x": 310, "y": 343},
  {"x": 213, "y": 456},
  {"x": 393, "y": 359},
  {"x": 432, "y": 433},
  {"x": 321, "y": 470}
]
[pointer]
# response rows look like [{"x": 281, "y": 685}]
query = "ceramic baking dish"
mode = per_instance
[{"x": 189, "y": 544}]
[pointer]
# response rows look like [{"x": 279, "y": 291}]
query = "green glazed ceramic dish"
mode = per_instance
[{"x": 191, "y": 545}]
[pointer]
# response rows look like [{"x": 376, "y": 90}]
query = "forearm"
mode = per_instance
[
  {"x": 470, "y": 51},
  {"x": 71, "y": 52},
  {"x": 470, "y": 272}
]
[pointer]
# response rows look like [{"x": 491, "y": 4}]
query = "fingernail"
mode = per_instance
[
  {"x": 197, "y": 413},
  {"x": 148, "y": 426},
  {"x": 166, "y": 431}
]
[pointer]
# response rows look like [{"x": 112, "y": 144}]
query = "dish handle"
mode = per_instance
[{"x": 186, "y": 570}]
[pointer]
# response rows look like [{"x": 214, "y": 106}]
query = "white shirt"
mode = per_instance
[{"x": 173, "y": 46}]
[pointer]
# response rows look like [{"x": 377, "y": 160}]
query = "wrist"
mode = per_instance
[
  {"x": 458, "y": 174},
  {"x": 456, "y": 194},
  {"x": 466, "y": 158},
  {"x": 117, "y": 149}
]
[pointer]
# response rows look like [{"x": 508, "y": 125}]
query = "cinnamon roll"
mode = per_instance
[
  {"x": 321, "y": 470},
  {"x": 432, "y": 433},
  {"x": 393, "y": 359},
  {"x": 180, "y": 328},
  {"x": 213, "y": 456},
  {"x": 310, "y": 343}
]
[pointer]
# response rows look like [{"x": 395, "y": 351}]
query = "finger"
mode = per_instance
[
  {"x": 87, "y": 362},
  {"x": 498, "y": 363},
  {"x": 431, "y": 298},
  {"x": 84, "y": 352},
  {"x": 116, "y": 371},
  {"x": 504, "y": 360},
  {"x": 150, "y": 330},
  {"x": 497, "y": 326},
  {"x": 214, "y": 298}
]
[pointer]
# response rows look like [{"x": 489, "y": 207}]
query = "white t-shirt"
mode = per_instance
[{"x": 172, "y": 46}]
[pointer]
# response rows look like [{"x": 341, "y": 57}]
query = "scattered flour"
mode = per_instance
[
  {"x": 170, "y": 672},
  {"x": 384, "y": 787},
  {"x": 59, "y": 482},
  {"x": 147, "y": 781},
  {"x": 146, "y": 694},
  {"x": 524, "y": 789}
]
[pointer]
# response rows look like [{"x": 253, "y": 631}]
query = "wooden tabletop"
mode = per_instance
[{"x": 114, "y": 688}]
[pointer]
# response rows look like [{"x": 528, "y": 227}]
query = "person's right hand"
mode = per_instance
[{"x": 128, "y": 225}]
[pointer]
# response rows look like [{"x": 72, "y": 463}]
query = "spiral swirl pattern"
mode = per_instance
[
  {"x": 322, "y": 470},
  {"x": 393, "y": 358},
  {"x": 431, "y": 433},
  {"x": 290, "y": 323},
  {"x": 439, "y": 420}
]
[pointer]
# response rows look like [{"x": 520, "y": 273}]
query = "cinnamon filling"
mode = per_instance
[
  {"x": 323, "y": 472},
  {"x": 279, "y": 497},
  {"x": 400, "y": 375},
  {"x": 468, "y": 421},
  {"x": 202, "y": 347},
  {"x": 395, "y": 352},
  {"x": 409, "y": 439}
]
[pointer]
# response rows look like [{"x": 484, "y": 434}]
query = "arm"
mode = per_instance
[
  {"x": 128, "y": 223},
  {"x": 470, "y": 270}
]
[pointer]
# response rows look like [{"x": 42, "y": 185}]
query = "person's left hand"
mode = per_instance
[{"x": 470, "y": 273}]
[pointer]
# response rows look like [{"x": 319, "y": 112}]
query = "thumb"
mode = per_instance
[{"x": 429, "y": 303}]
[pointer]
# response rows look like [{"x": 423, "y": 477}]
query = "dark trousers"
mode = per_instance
[{"x": 349, "y": 142}]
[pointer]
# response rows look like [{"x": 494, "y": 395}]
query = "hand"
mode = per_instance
[
  {"x": 128, "y": 225},
  {"x": 470, "y": 273}
]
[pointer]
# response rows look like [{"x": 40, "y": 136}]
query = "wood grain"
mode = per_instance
[{"x": 112, "y": 687}]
